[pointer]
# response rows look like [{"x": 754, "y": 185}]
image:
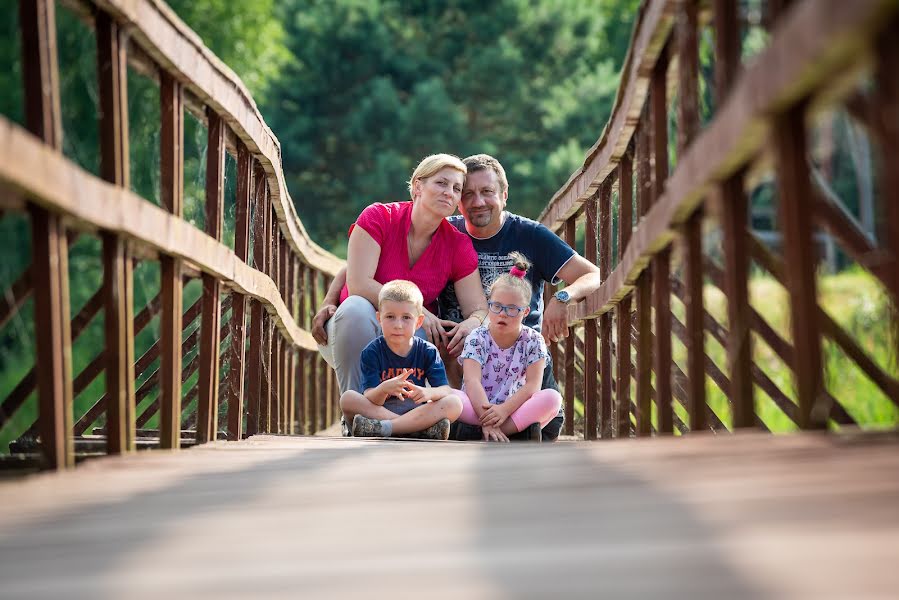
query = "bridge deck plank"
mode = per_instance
[{"x": 744, "y": 516}]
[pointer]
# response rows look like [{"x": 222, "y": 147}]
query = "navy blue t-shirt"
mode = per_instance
[
  {"x": 546, "y": 251},
  {"x": 380, "y": 363}
]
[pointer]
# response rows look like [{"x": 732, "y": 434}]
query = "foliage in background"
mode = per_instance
[{"x": 372, "y": 87}]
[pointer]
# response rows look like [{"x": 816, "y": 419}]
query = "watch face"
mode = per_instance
[{"x": 562, "y": 296}]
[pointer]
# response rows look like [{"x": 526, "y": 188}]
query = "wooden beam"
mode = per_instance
[
  {"x": 171, "y": 193},
  {"x": 570, "y": 231},
  {"x": 727, "y": 47},
  {"x": 623, "y": 310},
  {"x": 591, "y": 396},
  {"x": 112, "y": 72},
  {"x": 210, "y": 340},
  {"x": 605, "y": 320},
  {"x": 643, "y": 293},
  {"x": 40, "y": 70}
]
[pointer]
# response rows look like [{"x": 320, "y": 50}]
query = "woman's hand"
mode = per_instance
[
  {"x": 321, "y": 318},
  {"x": 494, "y": 434},
  {"x": 434, "y": 329},
  {"x": 495, "y": 415},
  {"x": 458, "y": 333}
]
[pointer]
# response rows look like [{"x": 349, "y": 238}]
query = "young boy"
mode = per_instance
[{"x": 395, "y": 367}]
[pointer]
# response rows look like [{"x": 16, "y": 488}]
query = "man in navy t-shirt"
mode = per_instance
[{"x": 495, "y": 233}]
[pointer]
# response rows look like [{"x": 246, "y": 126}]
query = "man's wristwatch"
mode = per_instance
[{"x": 562, "y": 296}]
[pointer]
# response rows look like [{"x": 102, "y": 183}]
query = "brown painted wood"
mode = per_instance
[
  {"x": 687, "y": 39},
  {"x": 210, "y": 339},
  {"x": 734, "y": 211},
  {"x": 49, "y": 253},
  {"x": 727, "y": 47},
  {"x": 40, "y": 70},
  {"x": 112, "y": 72},
  {"x": 118, "y": 292},
  {"x": 569, "y": 392},
  {"x": 302, "y": 400},
  {"x": 605, "y": 320},
  {"x": 695, "y": 338},
  {"x": 236, "y": 357},
  {"x": 643, "y": 324},
  {"x": 171, "y": 149},
  {"x": 886, "y": 109},
  {"x": 591, "y": 395},
  {"x": 314, "y": 387},
  {"x": 623, "y": 310},
  {"x": 795, "y": 219}
]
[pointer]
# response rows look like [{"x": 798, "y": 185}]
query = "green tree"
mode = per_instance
[{"x": 372, "y": 87}]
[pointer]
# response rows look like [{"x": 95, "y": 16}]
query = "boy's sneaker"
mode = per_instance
[
  {"x": 365, "y": 427},
  {"x": 438, "y": 431}
]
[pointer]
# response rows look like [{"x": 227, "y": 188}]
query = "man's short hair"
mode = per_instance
[
  {"x": 434, "y": 163},
  {"x": 400, "y": 290},
  {"x": 479, "y": 162}
]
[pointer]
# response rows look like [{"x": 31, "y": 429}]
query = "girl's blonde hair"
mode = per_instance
[
  {"x": 430, "y": 165},
  {"x": 515, "y": 278}
]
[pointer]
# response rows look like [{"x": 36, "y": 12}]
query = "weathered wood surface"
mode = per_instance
[{"x": 744, "y": 516}]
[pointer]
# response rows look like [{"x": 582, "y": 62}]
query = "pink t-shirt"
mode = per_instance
[{"x": 448, "y": 258}]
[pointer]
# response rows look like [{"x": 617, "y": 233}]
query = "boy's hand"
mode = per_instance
[
  {"x": 398, "y": 386},
  {"x": 494, "y": 434},
  {"x": 495, "y": 415},
  {"x": 416, "y": 393}
]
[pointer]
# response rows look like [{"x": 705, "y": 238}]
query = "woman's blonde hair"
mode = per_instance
[
  {"x": 511, "y": 280},
  {"x": 434, "y": 163}
]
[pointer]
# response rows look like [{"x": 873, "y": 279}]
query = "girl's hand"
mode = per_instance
[
  {"x": 495, "y": 416},
  {"x": 434, "y": 329},
  {"x": 416, "y": 393},
  {"x": 494, "y": 434}
]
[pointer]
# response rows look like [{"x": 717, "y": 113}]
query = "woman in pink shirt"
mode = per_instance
[{"x": 404, "y": 240}]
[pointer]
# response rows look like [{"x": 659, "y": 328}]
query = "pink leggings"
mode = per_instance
[{"x": 539, "y": 408}]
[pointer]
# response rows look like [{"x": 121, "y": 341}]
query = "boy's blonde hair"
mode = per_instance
[
  {"x": 515, "y": 282},
  {"x": 430, "y": 165},
  {"x": 400, "y": 290}
]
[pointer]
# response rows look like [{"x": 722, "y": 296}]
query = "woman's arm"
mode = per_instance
[
  {"x": 471, "y": 298},
  {"x": 363, "y": 254}
]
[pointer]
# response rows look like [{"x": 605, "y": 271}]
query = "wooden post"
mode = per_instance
[
  {"x": 727, "y": 47},
  {"x": 255, "y": 371},
  {"x": 302, "y": 360},
  {"x": 591, "y": 396},
  {"x": 314, "y": 387},
  {"x": 235, "y": 386},
  {"x": 795, "y": 216},
  {"x": 643, "y": 372},
  {"x": 570, "y": 231},
  {"x": 688, "y": 127},
  {"x": 40, "y": 70},
  {"x": 49, "y": 248},
  {"x": 211, "y": 315},
  {"x": 290, "y": 369},
  {"x": 275, "y": 344},
  {"x": 661, "y": 262},
  {"x": 171, "y": 149},
  {"x": 623, "y": 315},
  {"x": 112, "y": 70},
  {"x": 605, "y": 320}
]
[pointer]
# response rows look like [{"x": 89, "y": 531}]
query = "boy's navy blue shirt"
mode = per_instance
[
  {"x": 380, "y": 363},
  {"x": 546, "y": 251}
]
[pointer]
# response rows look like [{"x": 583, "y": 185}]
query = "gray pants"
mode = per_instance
[{"x": 350, "y": 330}]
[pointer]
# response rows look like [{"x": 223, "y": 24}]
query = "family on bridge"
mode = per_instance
[{"x": 437, "y": 327}]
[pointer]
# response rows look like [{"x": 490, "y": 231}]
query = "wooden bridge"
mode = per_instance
[{"x": 709, "y": 505}]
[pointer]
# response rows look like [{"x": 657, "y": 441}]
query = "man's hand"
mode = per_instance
[
  {"x": 318, "y": 323},
  {"x": 494, "y": 434},
  {"x": 416, "y": 394},
  {"x": 555, "y": 321},
  {"x": 494, "y": 415},
  {"x": 397, "y": 387}
]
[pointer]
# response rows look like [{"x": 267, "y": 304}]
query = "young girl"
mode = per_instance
[{"x": 502, "y": 364}]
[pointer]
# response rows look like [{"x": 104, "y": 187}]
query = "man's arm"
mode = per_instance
[
  {"x": 581, "y": 279},
  {"x": 328, "y": 307}
]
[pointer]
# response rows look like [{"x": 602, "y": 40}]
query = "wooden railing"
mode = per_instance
[
  {"x": 821, "y": 54},
  {"x": 257, "y": 318}
]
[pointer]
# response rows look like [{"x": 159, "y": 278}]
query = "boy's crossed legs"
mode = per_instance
[{"x": 419, "y": 418}]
